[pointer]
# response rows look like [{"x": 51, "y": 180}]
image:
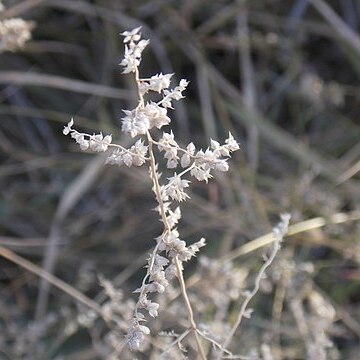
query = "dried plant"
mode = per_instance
[
  {"x": 279, "y": 80},
  {"x": 166, "y": 260}
]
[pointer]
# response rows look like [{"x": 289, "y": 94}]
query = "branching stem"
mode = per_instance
[
  {"x": 250, "y": 296},
  {"x": 157, "y": 191}
]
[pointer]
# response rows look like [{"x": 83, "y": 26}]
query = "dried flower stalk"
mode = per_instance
[
  {"x": 166, "y": 260},
  {"x": 279, "y": 232}
]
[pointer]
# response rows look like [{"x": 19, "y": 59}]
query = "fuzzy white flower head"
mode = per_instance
[
  {"x": 135, "y": 123},
  {"x": 175, "y": 188},
  {"x": 139, "y": 151},
  {"x": 231, "y": 143},
  {"x": 132, "y": 35},
  {"x": 138, "y": 48},
  {"x": 68, "y": 128},
  {"x": 157, "y": 115},
  {"x": 160, "y": 82},
  {"x": 14, "y": 33},
  {"x": 129, "y": 62},
  {"x": 201, "y": 174},
  {"x": 133, "y": 50}
]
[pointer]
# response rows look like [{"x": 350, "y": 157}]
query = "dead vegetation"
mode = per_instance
[{"x": 280, "y": 75}]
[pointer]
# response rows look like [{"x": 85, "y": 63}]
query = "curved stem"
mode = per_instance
[
  {"x": 249, "y": 296},
  {"x": 157, "y": 191},
  {"x": 167, "y": 227},
  {"x": 189, "y": 308}
]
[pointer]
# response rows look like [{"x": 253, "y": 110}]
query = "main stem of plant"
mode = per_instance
[{"x": 167, "y": 229}]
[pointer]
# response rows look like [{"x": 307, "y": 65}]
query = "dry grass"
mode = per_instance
[{"x": 283, "y": 77}]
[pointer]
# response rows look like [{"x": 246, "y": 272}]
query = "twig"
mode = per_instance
[
  {"x": 338, "y": 25},
  {"x": 59, "y": 82},
  {"x": 157, "y": 191},
  {"x": 189, "y": 308},
  {"x": 300, "y": 227},
  {"x": 19, "y": 8},
  {"x": 248, "y": 83},
  {"x": 352, "y": 171},
  {"x": 214, "y": 342},
  {"x": 279, "y": 233},
  {"x": 11, "y": 256},
  {"x": 176, "y": 341},
  {"x": 69, "y": 199}
]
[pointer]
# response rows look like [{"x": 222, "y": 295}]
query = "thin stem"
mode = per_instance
[
  {"x": 80, "y": 297},
  {"x": 248, "y": 81},
  {"x": 250, "y": 295},
  {"x": 137, "y": 79},
  {"x": 186, "y": 170},
  {"x": 173, "y": 147},
  {"x": 109, "y": 145},
  {"x": 156, "y": 184},
  {"x": 189, "y": 308},
  {"x": 165, "y": 98},
  {"x": 157, "y": 191},
  {"x": 215, "y": 343},
  {"x": 152, "y": 261},
  {"x": 176, "y": 341},
  {"x": 19, "y": 8},
  {"x": 183, "y": 173}
]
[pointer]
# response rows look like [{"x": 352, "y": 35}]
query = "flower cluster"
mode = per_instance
[
  {"x": 133, "y": 51},
  {"x": 95, "y": 142},
  {"x": 136, "y": 155},
  {"x": 165, "y": 262},
  {"x": 14, "y": 32},
  {"x": 158, "y": 83},
  {"x": 140, "y": 120}
]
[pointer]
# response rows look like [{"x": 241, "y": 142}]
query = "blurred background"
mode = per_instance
[{"x": 281, "y": 75}]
